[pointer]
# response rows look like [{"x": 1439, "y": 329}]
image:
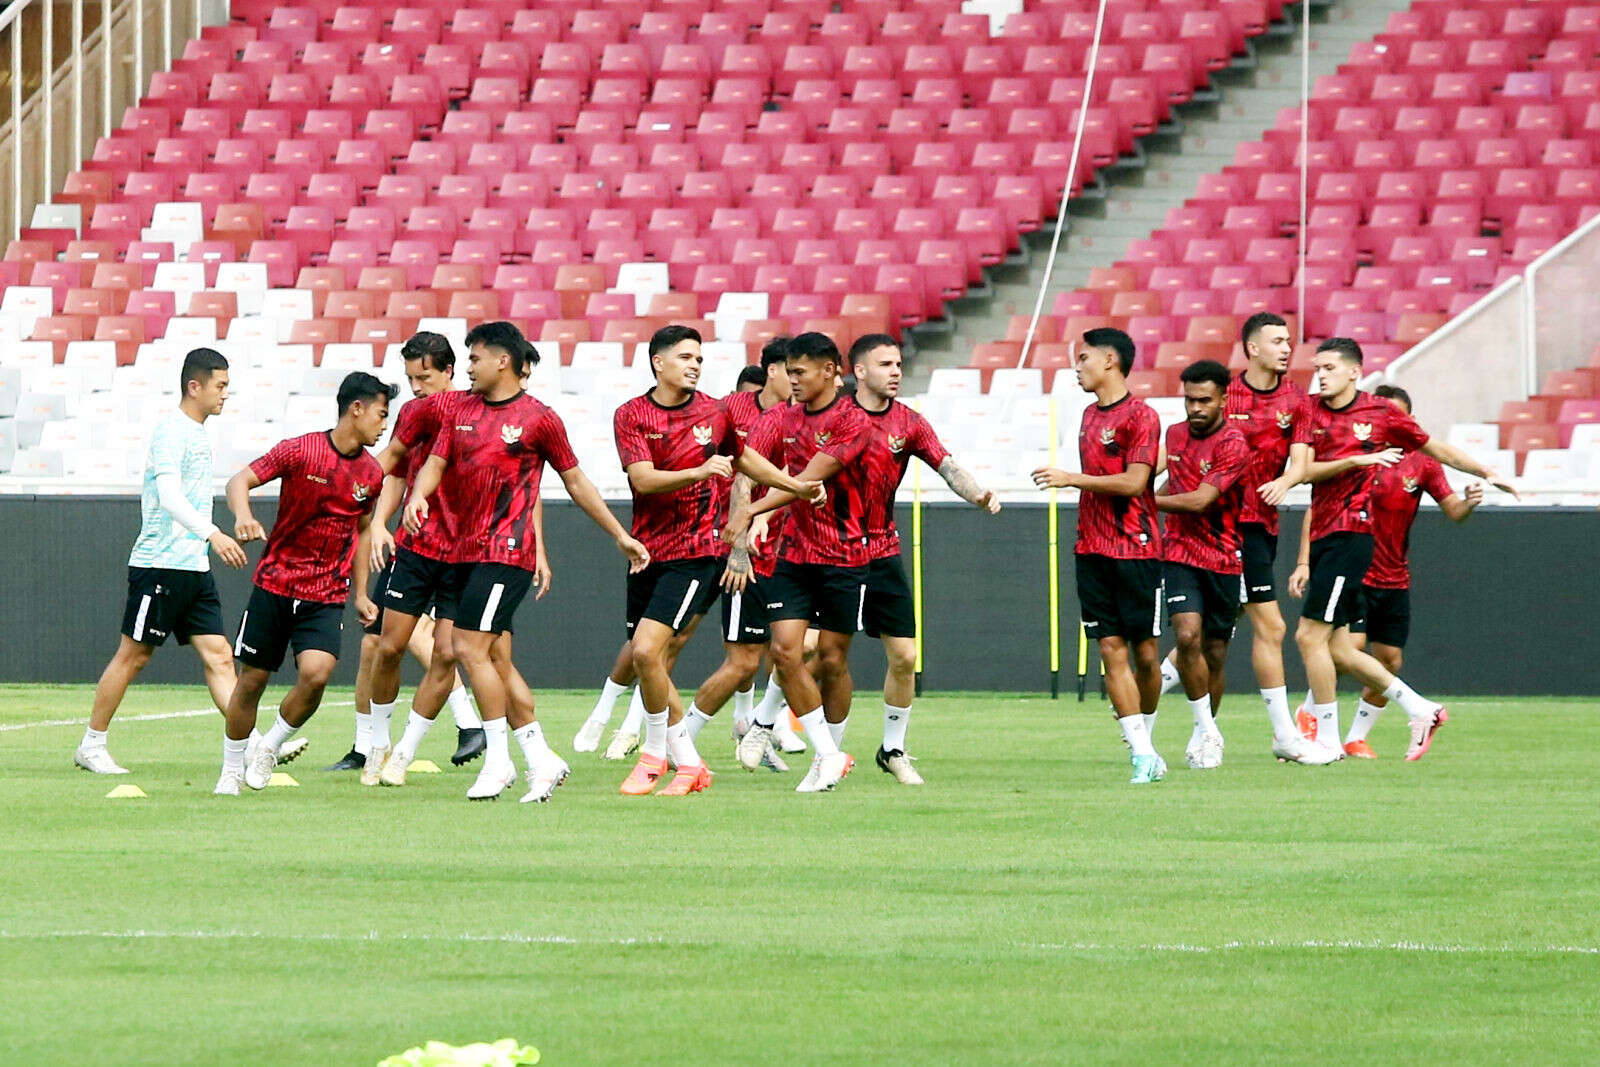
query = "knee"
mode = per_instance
[
  {"x": 1306, "y": 638},
  {"x": 1188, "y": 639},
  {"x": 134, "y": 655},
  {"x": 1271, "y": 629},
  {"x": 648, "y": 656},
  {"x": 902, "y": 661},
  {"x": 388, "y": 651}
]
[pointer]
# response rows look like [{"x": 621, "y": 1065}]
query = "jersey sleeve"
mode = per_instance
[
  {"x": 166, "y": 453},
  {"x": 410, "y": 427},
  {"x": 631, "y": 446},
  {"x": 1434, "y": 482},
  {"x": 1229, "y": 465},
  {"x": 1301, "y": 433},
  {"x": 278, "y": 461},
  {"x": 849, "y": 435},
  {"x": 551, "y": 436},
  {"x": 925, "y": 444},
  {"x": 1144, "y": 442},
  {"x": 1404, "y": 433},
  {"x": 766, "y": 437},
  {"x": 445, "y": 439}
]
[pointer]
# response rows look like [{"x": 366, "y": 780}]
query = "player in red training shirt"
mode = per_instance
[
  {"x": 1352, "y": 433},
  {"x": 675, "y": 443},
  {"x": 1201, "y": 572},
  {"x": 1383, "y": 622},
  {"x": 486, "y": 463},
  {"x": 821, "y": 577},
  {"x": 1119, "y": 540},
  {"x": 316, "y": 553},
  {"x": 896, "y": 434}
]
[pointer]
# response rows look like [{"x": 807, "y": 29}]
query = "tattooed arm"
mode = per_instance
[
  {"x": 965, "y": 486},
  {"x": 737, "y": 575}
]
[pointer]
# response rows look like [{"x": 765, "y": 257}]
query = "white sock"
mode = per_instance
[
  {"x": 694, "y": 720},
  {"x": 816, "y": 728},
  {"x": 837, "y": 730},
  {"x": 1150, "y": 723},
  {"x": 93, "y": 738},
  {"x": 497, "y": 740},
  {"x": 535, "y": 750},
  {"x": 463, "y": 711},
  {"x": 1277, "y": 702},
  {"x": 607, "y": 701},
  {"x": 655, "y": 734},
  {"x": 1204, "y": 722},
  {"x": 767, "y": 713},
  {"x": 363, "y": 743},
  {"x": 895, "y": 722},
  {"x": 233, "y": 755},
  {"x": 1327, "y": 722},
  {"x": 681, "y": 745},
  {"x": 744, "y": 702},
  {"x": 1136, "y": 734},
  {"x": 1366, "y": 718},
  {"x": 1415, "y": 705},
  {"x": 381, "y": 714},
  {"x": 633, "y": 723},
  {"x": 416, "y": 729},
  {"x": 1169, "y": 676},
  {"x": 278, "y": 733}
]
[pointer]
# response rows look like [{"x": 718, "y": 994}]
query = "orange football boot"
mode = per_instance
[
  {"x": 644, "y": 776},
  {"x": 1360, "y": 750},
  {"x": 696, "y": 779}
]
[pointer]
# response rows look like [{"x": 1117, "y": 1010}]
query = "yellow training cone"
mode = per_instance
[
  {"x": 126, "y": 792},
  {"x": 279, "y": 778},
  {"x": 423, "y": 766}
]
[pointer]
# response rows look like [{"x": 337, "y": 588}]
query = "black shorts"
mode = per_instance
[
  {"x": 1385, "y": 616},
  {"x": 413, "y": 582},
  {"x": 744, "y": 615},
  {"x": 166, "y": 603},
  {"x": 1338, "y": 563},
  {"x": 1120, "y": 597},
  {"x": 273, "y": 624},
  {"x": 486, "y": 595},
  {"x": 674, "y": 592},
  {"x": 828, "y": 597},
  {"x": 889, "y": 611},
  {"x": 1258, "y": 551},
  {"x": 375, "y": 627},
  {"x": 1212, "y": 596}
]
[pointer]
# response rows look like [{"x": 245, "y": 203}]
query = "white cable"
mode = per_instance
[
  {"x": 1066, "y": 189},
  {"x": 1305, "y": 167}
]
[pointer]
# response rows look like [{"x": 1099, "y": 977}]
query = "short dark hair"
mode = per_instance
[
  {"x": 813, "y": 345},
  {"x": 198, "y": 366},
  {"x": 359, "y": 385},
  {"x": 507, "y": 338},
  {"x": 1346, "y": 348},
  {"x": 776, "y": 350},
  {"x": 751, "y": 375},
  {"x": 433, "y": 347},
  {"x": 867, "y": 342},
  {"x": 668, "y": 336},
  {"x": 1256, "y": 322},
  {"x": 1117, "y": 341},
  {"x": 1206, "y": 370},
  {"x": 1394, "y": 392}
]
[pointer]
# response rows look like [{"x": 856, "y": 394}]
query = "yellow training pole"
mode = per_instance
[
  {"x": 1055, "y": 572},
  {"x": 1083, "y": 661}
]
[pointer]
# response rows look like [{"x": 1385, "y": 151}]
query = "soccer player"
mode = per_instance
[
  {"x": 330, "y": 483},
  {"x": 625, "y": 739},
  {"x": 170, "y": 589},
  {"x": 821, "y": 577},
  {"x": 1351, "y": 433},
  {"x": 896, "y": 434},
  {"x": 1385, "y": 614},
  {"x": 675, "y": 442},
  {"x": 430, "y": 370},
  {"x": 1201, "y": 572},
  {"x": 1119, "y": 541},
  {"x": 752, "y": 379},
  {"x": 492, "y": 451}
]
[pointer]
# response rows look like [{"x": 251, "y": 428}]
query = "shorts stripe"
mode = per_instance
[
  {"x": 487, "y": 622},
  {"x": 1333, "y": 599},
  {"x": 1244, "y": 590},
  {"x": 138, "y": 622},
  {"x": 1155, "y": 624},
  {"x": 861, "y": 609},
  {"x": 238, "y": 644},
  {"x": 688, "y": 599},
  {"x": 734, "y": 611}
]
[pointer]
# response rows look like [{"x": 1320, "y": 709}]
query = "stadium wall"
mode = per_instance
[{"x": 1502, "y": 604}]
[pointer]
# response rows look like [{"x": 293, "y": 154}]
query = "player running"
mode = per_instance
[
  {"x": 674, "y": 443},
  {"x": 1351, "y": 433},
  {"x": 1201, "y": 572},
  {"x": 330, "y": 483},
  {"x": 490, "y": 454},
  {"x": 1119, "y": 540},
  {"x": 896, "y": 434}
]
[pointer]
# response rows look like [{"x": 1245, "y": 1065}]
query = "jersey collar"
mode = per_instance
[
  {"x": 1124, "y": 398},
  {"x": 650, "y": 395},
  {"x": 874, "y": 414},
  {"x": 347, "y": 455},
  {"x": 518, "y": 395}
]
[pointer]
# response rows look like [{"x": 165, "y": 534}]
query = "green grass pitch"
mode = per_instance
[{"x": 1026, "y": 906}]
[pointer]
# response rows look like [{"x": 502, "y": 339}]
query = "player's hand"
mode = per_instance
[
  {"x": 989, "y": 502},
  {"x": 1273, "y": 493},
  {"x": 1505, "y": 485},
  {"x": 541, "y": 576},
  {"x": 738, "y": 523},
  {"x": 227, "y": 549},
  {"x": 382, "y": 546},
  {"x": 816, "y": 492},
  {"x": 1052, "y": 478},
  {"x": 1473, "y": 494},
  {"x": 247, "y": 530},
  {"x": 416, "y": 514},
  {"x": 716, "y": 467},
  {"x": 366, "y": 610},
  {"x": 736, "y": 577},
  {"x": 759, "y": 531},
  {"x": 1298, "y": 580},
  {"x": 1388, "y": 457},
  {"x": 638, "y": 555}
]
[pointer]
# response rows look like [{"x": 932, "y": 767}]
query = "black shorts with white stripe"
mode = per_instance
[
  {"x": 890, "y": 611},
  {"x": 828, "y": 597},
  {"x": 166, "y": 603},
  {"x": 673, "y": 592},
  {"x": 272, "y": 624},
  {"x": 1338, "y": 563},
  {"x": 1119, "y": 597},
  {"x": 489, "y": 596},
  {"x": 744, "y": 616}
]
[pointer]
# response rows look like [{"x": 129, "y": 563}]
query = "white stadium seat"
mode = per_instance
[
  {"x": 348, "y": 357},
  {"x": 248, "y": 283},
  {"x": 1016, "y": 381},
  {"x": 1474, "y": 436},
  {"x": 955, "y": 381}
]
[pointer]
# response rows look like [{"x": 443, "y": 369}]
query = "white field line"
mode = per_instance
[
  {"x": 155, "y": 717},
  {"x": 1421, "y": 947}
]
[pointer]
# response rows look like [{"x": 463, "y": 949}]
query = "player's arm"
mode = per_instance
[
  {"x": 736, "y": 576},
  {"x": 392, "y": 454},
  {"x": 245, "y": 525},
  {"x": 361, "y": 572},
  {"x": 647, "y": 481},
  {"x": 759, "y": 469},
  {"x": 1458, "y": 507},
  {"x": 428, "y": 479},
  {"x": 965, "y": 486},
  {"x": 1274, "y": 492},
  {"x": 394, "y": 490},
  {"x": 1301, "y": 576},
  {"x": 587, "y": 497},
  {"x": 1130, "y": 482},
  {"x": 1322, "y": 470},
  {"x": 1190, "y": 503},
  {"x": 169, "y": 494},
  {"x": 541, "y": 567},
  {"x": 1451, "y": 456}
]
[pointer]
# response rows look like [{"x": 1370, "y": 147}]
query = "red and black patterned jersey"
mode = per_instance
[
  {"x": 1396, "y": 494},
  {"x": 1210, "y": 539},
  {"x": 416, "y": 427},
  {"x": 743, "y": 410},
  {"x": 685, "y": 523},
  {"x": 1271, "y": 420},
  {"x": 896, "y": 434},
  {"x": 323, "y": 496},
  {"x": 1343, "y": 503},
  {"x": 835, "y": 532},
  {"x": 1113, "y": 438},
  {"x": 495, "y": 452}
]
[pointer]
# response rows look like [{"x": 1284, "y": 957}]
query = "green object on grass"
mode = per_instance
[{"x": 503, "y": 1053}]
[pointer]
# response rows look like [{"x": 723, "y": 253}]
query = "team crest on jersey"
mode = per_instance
[
  {"x": 1108, "y": 436},
  {"x": 1408, "y": 484},
  {"x": 824, "y": 437},
  {"x": 897, "y": 443},
  {"x": 702, "y": 435},
  {"x": 361, "y": 492},
  {"x": 1205, "y": 466},
  {"x": 511, "y": 434},
  {"x": 1362, "y": 430},
  {"x": 1284, "y": 419}
]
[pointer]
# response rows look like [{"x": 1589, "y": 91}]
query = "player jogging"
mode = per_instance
[{"x": 329, "y": 484}]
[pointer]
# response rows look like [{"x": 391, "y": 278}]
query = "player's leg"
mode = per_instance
[
  {"x": 546, "y": 769},
  {"x": 239, "y": 722},
  {"x": 474, "y": 654},
  {"x": 1258, "y": 553},
  {"x": 469, "y": 727},
  {"x": 889, "y": 614},
  {"x": 485, "y": 607},
  {"x": 1387, "y": 628},
  {"x": 1100, "y": 590},
  {"x": 1194, "y": 671},
  {"x": 1425, "y": 716},
  {"x": 357, "y": 756},
  {"x": 126, "y": 663},
  {"x": 801, "y": 690},
  {"x": 1170, "y": 679},
  {"x": 838, "y": 611},
  {"x": 394, "y": 639},
  {"x": 615, "y": 684},
  {"x": 650, "y": 637}
]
